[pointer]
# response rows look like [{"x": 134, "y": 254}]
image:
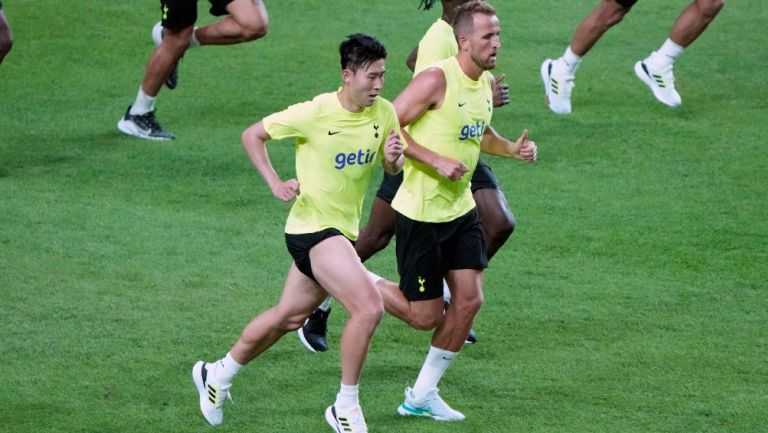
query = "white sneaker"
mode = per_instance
[
  {"x": 558, "y": 85},
  {"x": 346, "y": 420},
  {"x": 212, "y": 395},
  {"x": 430, "y": 406},
  {"x": 661, "y": 82}
]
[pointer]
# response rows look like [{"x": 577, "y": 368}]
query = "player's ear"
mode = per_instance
[
  {"x": 346, "y": 75},
  {"x": 463, "y": 41}
]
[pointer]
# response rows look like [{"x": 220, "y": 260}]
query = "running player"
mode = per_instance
[
  {"x": 247, "y": 20},
  {"x": 448, "y": 111},
  {"x": 339, "y": 138},
  {"x": 655, "y": 70}
]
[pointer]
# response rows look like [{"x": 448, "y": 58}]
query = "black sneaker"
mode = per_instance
[
  {"x": 471, "y": 338},
  {"x": 173, "y": 78},
  {"x": 312, "y": 334},
  {"x": 143, "y": 126}
]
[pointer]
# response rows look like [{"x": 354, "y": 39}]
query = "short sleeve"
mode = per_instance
[{"x": 294, "y": 121}]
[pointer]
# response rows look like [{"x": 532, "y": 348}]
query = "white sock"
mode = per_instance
[
  {"x": 225, "y": 369},
  {"x": 347, "y": 396},
  {"x": 433, "y": 369},
  {"x": 326, "y": 305},
  {"x": 571, "y": 60},
  {"x": 446, "y": 293},
  {"x": 194, "y": 43},
  {"x": 143, "y": 103},
  {"x": 666, "y": 55}
]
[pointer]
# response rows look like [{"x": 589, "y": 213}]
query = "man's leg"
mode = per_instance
[
  {"x": 139, "y": 120},
  {"x": 423, "y": 399},
  {"x": 247, "y": 21},
  {"x": 6, "y": 38},
  {"x": 213, "y": 380},
  {"x": 339, "y": 270},
  {"x": 379, "y": 230},
  {"x": 656, "y": 70},
  {"x": 466, "y": 286},
  {"x": 496, "y": 217},
  {"x": 558, "y": 74},
  {"x": 374, "y": 237}
]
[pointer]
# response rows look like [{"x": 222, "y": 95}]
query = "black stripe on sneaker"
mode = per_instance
[
  {"x": 204, "y": 373},
  {"x": 642, "y": 64}
]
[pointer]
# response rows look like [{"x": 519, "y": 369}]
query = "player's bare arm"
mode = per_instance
[
  {"x": 255, "y": 143},
  {"x": 522, "y": 149},
  {"x": 425, "y": 92}
]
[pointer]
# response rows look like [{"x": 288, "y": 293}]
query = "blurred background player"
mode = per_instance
[
  {"x": 339, "y": 138},
  {"x": 247, "y": 20},
  {"x": 655, "y": 70},
  {"x": 6, "y": 39},
  {"x": 498, "y": 222}
]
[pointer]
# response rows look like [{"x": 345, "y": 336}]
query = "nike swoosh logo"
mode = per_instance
[
  {"x": 461, "y": 104},
  {"x": 333, "y": 132}
]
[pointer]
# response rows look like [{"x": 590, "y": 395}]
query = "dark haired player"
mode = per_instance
[{"x": 339, "y": 138}]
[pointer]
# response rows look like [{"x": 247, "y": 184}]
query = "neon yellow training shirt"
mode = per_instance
[
  {"x": 455, "y": 130},
  {"x": 438, "y": 43},
  {"x": 335, "y": 155}
]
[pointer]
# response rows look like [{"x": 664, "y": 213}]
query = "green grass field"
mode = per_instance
[{"x": 632, "y": 297}]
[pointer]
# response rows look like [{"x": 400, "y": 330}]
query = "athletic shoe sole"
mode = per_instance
[
  {"x": 130, "y": 128},
  {"x": 406, "y": 411},
  {"x": 305, "y": 342}
]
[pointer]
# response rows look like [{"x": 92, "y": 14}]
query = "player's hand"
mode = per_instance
[
  {"x": 500, "y": 92},
  {"x": 286, "y": 191},
  {"x": 527, "y": 149},
  {"x": 393, "y": 148},
  {"x": 450, "y": 168}
]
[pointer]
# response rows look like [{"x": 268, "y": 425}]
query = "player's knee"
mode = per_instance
[
  {"x": 370, "y": 313},
  {"x": 710, "y": 8},
  {"x": 467, "y": 308},
  {"x": 381, "y": 239},
  {"x": 501, "y": 230},
  {"x": 613, "y": 13},
  {"x": 5, "y": 46},
  {"x": 253, "y": 30},
  {"x": 178, "y": 42},
  {"x": 291, "y": 323},
  {"x": 425, "y": 322}
]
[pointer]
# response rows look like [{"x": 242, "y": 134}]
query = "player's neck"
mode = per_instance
[
  {"x": 469, "y": 67},
  {"x": 347, "y": 103}
]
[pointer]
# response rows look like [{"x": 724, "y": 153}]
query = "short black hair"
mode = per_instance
[{"x": 360, "y": 50}]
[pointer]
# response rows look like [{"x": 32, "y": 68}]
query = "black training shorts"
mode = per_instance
[
  {"x": 426, "y": 251},
  {"x": 180, "y": 14},
  {"x": 299, "y": 246},
  {"x": 626, "y": 3}
]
